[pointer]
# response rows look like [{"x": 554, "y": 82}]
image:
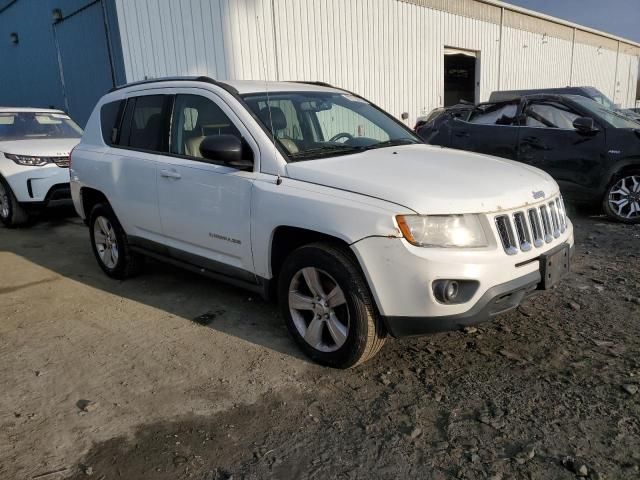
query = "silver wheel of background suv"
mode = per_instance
[
  {"x": 318, "y": 309},
  {"x": 105, "y": 241},
  {"x": 624, "y": 197}
]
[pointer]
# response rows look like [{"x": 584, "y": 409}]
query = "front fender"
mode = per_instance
[{"x": 344, "y": 215}]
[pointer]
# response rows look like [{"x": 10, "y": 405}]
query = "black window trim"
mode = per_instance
[{"x": 167, "y": 127}]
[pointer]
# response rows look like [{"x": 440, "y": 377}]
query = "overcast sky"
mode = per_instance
[{"x": 619, "y": 17}]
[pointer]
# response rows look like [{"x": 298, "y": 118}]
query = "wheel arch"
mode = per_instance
[
  {"x": 285, "y": 239},
  {"x": 89, "y": 198}
]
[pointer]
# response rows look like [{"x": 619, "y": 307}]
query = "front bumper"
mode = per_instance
[
  {"x": 496, "y": 300},
  {"x": 401, "y": 278},
  {"x": 39, "y": 185}
]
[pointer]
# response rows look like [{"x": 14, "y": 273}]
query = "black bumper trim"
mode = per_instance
[
  {"x": 496, "y": 300},
  {"x": 58, "y": 194}
]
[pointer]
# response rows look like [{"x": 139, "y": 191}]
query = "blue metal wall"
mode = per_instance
[{"x": 68, "y": 65}]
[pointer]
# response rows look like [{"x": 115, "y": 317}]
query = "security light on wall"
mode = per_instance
[
  {"x": 13, "y": 37},
  {"x": 545, "y": 38}
]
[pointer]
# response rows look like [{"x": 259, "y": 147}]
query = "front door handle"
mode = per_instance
[{"x": 170, "y": 174}]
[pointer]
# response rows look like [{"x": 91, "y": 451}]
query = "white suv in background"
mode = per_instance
[
  {"x": 314, "y": 194},
  {"x": 34, "y": 160}
]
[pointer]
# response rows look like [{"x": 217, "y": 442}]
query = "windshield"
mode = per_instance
[
  {"x": 33, "y": 125},
  {"x": 311, "y": 125},
  {"x": 614, "y": 118},
  {"x": 602, "y": 99}
]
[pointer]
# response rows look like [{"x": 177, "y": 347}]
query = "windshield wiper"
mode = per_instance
[
  {"x": 324, "y": 149},
  {"x": 392, "y": 143}
]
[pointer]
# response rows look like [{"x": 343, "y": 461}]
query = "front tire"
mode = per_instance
[
  {"x": 11, "y": 213},
  {"x": 328, "y": 307},
  {"x": 110, "y": 245},
  {"x": 622, "y": 200}
]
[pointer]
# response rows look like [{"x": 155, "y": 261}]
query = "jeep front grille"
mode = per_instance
[{"x": 521, "y": 231}]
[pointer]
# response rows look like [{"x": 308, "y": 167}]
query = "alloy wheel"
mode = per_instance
[
  {"x": 624, "y": 197},
  {"x": 319, "y": 309},
  {"x": 104, "y": 237},
  {"x": 4, "y": 202}
]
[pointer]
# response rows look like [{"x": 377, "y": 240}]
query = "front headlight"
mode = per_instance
[
  {"x": 28, "y": 161},
  {"x": 443, "y": 230}
]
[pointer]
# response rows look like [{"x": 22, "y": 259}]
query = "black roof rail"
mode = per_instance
[
  {"x": 320, "y": 84},
  {"x": 201, "y": 78}
]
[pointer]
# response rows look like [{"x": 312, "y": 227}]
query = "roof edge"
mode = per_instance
[{"x": 550, "y": 18}]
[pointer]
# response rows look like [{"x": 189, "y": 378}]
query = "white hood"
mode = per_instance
[
  {"x": 430, "y": 180},
  {"x": 40, "y": 147}
]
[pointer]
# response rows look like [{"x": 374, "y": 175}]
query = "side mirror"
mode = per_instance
[
  {"x": 227, "y": 149},
  {"x": 585, "y": 125}
]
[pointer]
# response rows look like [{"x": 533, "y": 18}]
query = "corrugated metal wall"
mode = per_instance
[
  {"x": 67, "y": 65},
  {"x": 29, "y": 69},
  {"x": 389, "y": 51}
]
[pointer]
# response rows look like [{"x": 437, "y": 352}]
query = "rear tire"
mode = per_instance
[
  {"x": 622, "y": 200},
  {"x": 328, "y": 307},
  {"x": 110, "y": 246},
  {"x": 11, "y": 213}
]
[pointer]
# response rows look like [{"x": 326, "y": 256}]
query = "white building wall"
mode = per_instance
[
  {"x": 596, "y": 67},
  {"x": 532, "y": 60},
  {"x": 389, "y": 51}
]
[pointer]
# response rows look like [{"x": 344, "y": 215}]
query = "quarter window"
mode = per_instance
[
  {"x": 194, "y": 118},
  {"x": 110, "y": 115}
]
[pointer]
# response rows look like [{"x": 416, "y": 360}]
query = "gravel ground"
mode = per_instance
[{"x": 170, "y": 376}]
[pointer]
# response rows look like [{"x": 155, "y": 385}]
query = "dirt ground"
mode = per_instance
[{"x": 170, "y": 376}]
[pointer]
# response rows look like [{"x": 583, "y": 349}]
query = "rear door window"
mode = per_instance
[
  {"x": 495, "y": 115},
  {"x": 145, "y": 125}
]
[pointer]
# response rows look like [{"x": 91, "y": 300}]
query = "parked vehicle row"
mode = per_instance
[
  {"x": 591, "y": 151},
  {"x": 311, "y": 194}
]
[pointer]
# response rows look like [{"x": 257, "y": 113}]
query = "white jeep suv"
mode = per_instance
[
  {"x": 34, "y": 160},
  {"x": 314, "y": 194}
]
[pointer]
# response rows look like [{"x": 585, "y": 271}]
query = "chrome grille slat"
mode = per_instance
[
  {"x": 522, "y": 230},
  {"x": 546, "y": 224},
  {"x": 506, "y": 233},
  {"x": 536, "y": 227},
  {"x": 555, "y": 222},
  {"x": 561, "y": 215}
]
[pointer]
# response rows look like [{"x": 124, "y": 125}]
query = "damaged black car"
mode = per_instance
[{"x": 592, "y": 152}]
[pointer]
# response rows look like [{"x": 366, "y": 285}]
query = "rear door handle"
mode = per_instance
[
  {"x": 462, "y": 134},
  {"x": 170, "y": 174}
]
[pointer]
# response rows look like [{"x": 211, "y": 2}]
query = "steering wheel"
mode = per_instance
[{"x": 341, "y": 135}]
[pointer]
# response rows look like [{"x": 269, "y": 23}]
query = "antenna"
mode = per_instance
[{"x": 266, "y": 88}]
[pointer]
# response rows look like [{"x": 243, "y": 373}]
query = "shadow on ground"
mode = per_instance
[{"x": 58, "y": 241}]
